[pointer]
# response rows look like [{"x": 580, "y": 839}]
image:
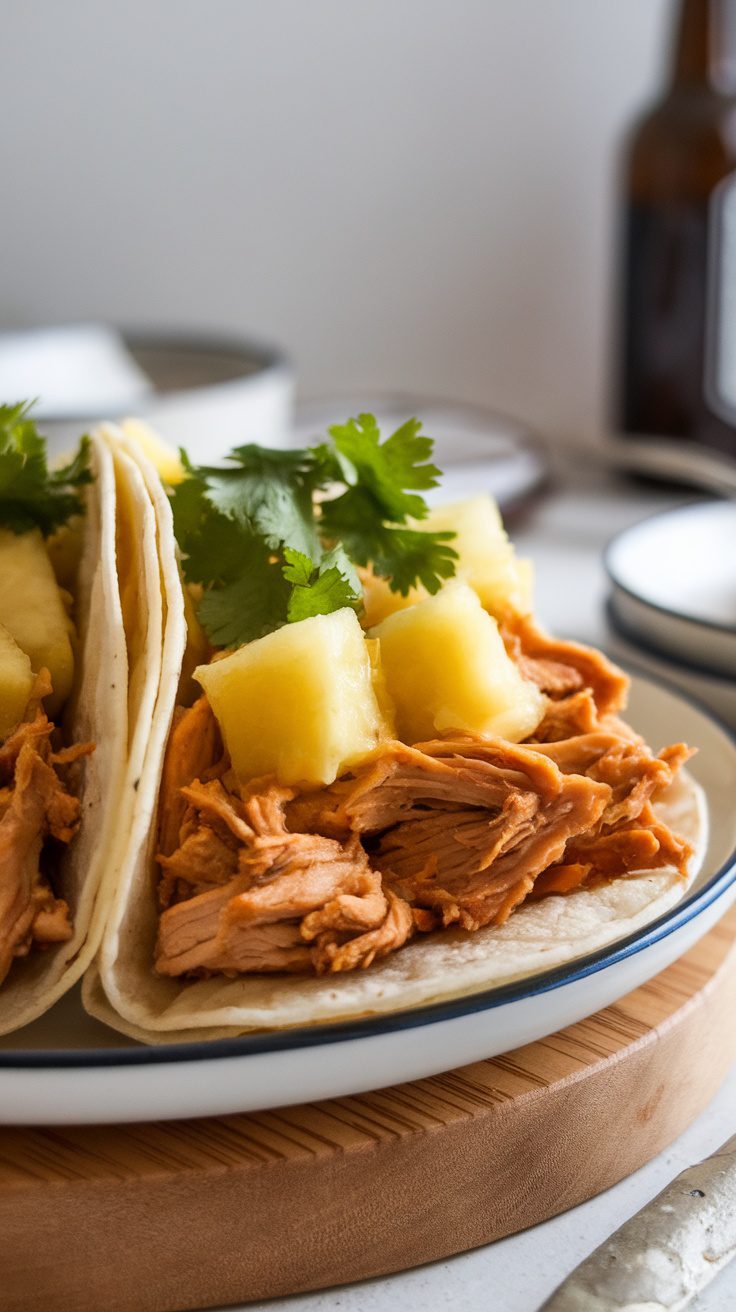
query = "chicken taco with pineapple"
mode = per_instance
[
  {"x": 372, "y": 779},
  {"x": 63, "y": 712}
]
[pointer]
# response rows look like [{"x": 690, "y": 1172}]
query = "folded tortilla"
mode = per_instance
[
  {"x": 122, "y": 989},
  {"x": 97, "y": 712}
]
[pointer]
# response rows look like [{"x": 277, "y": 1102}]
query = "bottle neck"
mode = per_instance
[{"x": 705, "y": 45}]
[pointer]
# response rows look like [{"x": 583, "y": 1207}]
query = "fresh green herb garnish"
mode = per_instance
[
  {"x": 268, "y": 550},
  {"x": 319, "y": 589},
  {"x": 32, "y": 495}
]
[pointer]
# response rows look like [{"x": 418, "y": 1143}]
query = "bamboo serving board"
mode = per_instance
[{"x": 190, "y": 1214}]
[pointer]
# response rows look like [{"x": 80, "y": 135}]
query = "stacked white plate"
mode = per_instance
[{"x": 673, "y": 587}]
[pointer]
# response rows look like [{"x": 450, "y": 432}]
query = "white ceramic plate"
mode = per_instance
[
  {"x": 67, "y": 1069},
  {"x": 673, "y": 580}
]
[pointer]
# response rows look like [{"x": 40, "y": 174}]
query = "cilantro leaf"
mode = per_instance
[
  {"x": 269, "y": 551},
  {"x": 387, "y": 469},
  {"x": 330, "y": 591},
  {"x": 298, "y": 569},
  {"x": 338, "y": 556},
  {"x": 77, "y": 472},
  {"x": 368, "y": 517},
  {"x": 319, "y": 589},
  {"x": 213, "y": 546},
  {"x": 247, "y": 595},
  {"x": 269, "y": 491},
  {"x": 407, "y": 556},
  {"x": 404, "y": 556},
  {"x": 186, "y": 500},
  {"x": 216, "y": 553},
  {"x": 31, "y": 495},
  {"x": 251, "y": 605}
]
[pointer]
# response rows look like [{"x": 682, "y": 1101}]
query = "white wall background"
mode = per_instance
[{"x": 405, "y": 193}]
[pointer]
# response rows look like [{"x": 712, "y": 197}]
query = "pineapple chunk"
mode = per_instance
[
  {"x": 379, "y": 601},
  {"x": 65, "y": 548},
  {"x": 33, "y": 611},
  {"x": 299, "y": 703},
  {"x": 380, "y": 687},
  {"x": 525, "y": 582},
  {"x": 16, "y": 681},
  {"x": 486, "y": 561},
  {"x": 446, "y": 668},
  {"x": 486, "y": 556},
  {"x": 163, "y": 457}
]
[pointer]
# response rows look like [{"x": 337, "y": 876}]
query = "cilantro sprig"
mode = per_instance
[
  {"x": 275, "y": 536},
  {"x": 31, "y": 494}
]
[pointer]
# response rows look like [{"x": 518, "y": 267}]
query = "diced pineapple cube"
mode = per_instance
[
  {"x": 65, "y": 548},
  {"x": 446, "y": 668},
  {"x": 379, "y": 601},
  {"x": 33, "y": 611},
  {"x": 487, "y": 561},
  {"x": 380, "y": 687},
  {"x": 16, "y": 681},
  {"x": 299, "y": 703},
  {"x": 525, "y": 585},
  {"x": 165, "y": 458}
]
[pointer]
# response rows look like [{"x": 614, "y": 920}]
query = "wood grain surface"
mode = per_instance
[{"x": 189, "y": 1214}]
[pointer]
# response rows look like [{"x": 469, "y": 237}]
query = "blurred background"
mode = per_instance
[{"x": 414, "y": 194}]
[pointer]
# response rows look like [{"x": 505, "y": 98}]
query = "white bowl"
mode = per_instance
[{"x": 209, "y": 393}]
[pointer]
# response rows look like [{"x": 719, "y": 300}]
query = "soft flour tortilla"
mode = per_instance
[
  {"x": 122, "y": 989},
  {"x": 98, "y": 713}
]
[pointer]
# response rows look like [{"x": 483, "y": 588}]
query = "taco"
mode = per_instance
[
  {"x": 63, "y": 713},
  {"x": 372, "y": 779}
]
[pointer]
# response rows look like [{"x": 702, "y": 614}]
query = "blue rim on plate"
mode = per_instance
[
  {"x": 713, "y": 625},
  {"x": 430, "y": 1013}
]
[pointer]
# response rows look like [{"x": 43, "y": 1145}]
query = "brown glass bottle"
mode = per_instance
[{"x": 680, "y": 167}]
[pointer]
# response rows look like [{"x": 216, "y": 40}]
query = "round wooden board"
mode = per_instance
[{"x": 188, "y": 1214}]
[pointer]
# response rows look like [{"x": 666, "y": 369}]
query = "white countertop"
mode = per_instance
[{"x": 564, "y": 533}]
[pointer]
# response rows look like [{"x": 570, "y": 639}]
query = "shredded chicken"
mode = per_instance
[
  {"x": 36, "y": 805},
  {"x": 568, "y": 716},
  {"x": 193, "y": 745},
  {"x": 623, "y": 762},
  {"x": 561, "y": 667},
  {"x": 457, "y": 831},
  {"x": 327, "y": 887},
  {"x": 474, "y": 866}
]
